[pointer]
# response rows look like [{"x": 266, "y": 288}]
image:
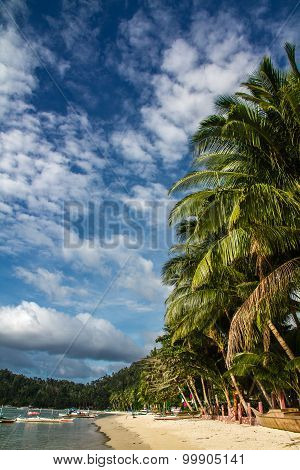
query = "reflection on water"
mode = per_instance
[{"x": 81, "y": 434}]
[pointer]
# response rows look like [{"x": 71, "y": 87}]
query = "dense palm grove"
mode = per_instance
[
  {"x": 232, "y": 325},
  {"x": 233, "y": 312}
]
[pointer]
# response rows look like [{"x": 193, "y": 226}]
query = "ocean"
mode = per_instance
[{"x": 81, "y": 434}]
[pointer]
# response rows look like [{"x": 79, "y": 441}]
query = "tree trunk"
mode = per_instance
[
  {"x": 251, "y": 388},
  {"x": 191, "y": 393},
  {"x": 204, "y": 392},
  {"x": 266, "y": 339},
  {"x": 196, "y": 394},
  {"x": 280, "y": 340},
  {"x": 183, "y": 396},
  {"x": 235, "y": 385},
  {"x": 227, "y": 397},
  {"x": 226, "y": 393},
  {"x": 240, "y": 395},
  {"x": 262, "y": 388}
]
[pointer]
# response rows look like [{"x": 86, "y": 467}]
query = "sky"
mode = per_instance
[{"x": 98, "y": 102}]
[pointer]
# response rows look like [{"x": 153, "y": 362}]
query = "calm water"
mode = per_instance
[{"x": 81, "y": 434}]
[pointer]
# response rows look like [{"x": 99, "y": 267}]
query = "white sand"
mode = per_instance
[{"x": 143, "y": 432}]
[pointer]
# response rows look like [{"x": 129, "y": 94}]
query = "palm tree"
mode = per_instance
[
  {"x": 247, "y": 204},
  {"x": 271, "y": 369},
  {"x": 235, "y": 269}
]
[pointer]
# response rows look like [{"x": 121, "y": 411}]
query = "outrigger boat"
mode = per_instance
[
  {"x": 38, "y": 419},
  {"x": 176, "y": 417},
  {"x": 78, "y": 414},
  {"x": 287, "y": 419},
  {"x": 4, "y": 420},
  {"x": 83, "y": 415}
]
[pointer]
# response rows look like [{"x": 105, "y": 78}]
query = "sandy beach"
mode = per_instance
[{"x": 143, "y": 432}]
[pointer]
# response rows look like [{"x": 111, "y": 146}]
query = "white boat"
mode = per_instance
[
  {"x": 82, "y": 415},
  {"x": 38, "y": 419}
]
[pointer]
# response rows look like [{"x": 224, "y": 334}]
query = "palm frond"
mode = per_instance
[{"x": 265, "y": 294}]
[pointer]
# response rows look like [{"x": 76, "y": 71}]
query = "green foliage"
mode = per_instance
[
  {"x": 18, "y": 390},
  {"x": 236, "y": 274}
]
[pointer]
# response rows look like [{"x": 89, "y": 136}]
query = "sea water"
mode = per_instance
[{"x": 80, "y": 434}]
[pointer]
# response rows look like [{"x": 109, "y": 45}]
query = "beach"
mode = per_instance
[{"x": 143, "y": 432}]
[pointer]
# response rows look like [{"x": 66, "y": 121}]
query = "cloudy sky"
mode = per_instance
[{"x": 98, "y": 100}]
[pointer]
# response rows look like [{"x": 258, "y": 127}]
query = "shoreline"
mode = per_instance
[
  {"x": 118, "y": 436},
  {"x": 125, "y": 432}
]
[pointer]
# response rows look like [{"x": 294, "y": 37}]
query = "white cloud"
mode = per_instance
[
  {"x": 53, "y": 284},
  {"x": 143, "y": 197},
  {"x": 192, "y": 68},
  {"x": 47, "y": 158},
  {"x": 139, "y": 277},
  {"x": 5, "y": 208},
  {"x": 150, "y": 339},
  {"x": 179, "y": 58},
  {"x": 130, "y": 304},
  {"x": 133, "y": 145},
  {"x": 16, "y": 65},
  {"x": 30, "y": 327},
  {"x": 151, "y": 204},
  {"x": 84, "y": 254},
  {"x": 135, "y": 272},
  {"x": 33, "y": 170}
]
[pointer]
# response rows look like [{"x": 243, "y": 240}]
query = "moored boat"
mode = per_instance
[
  {"x": 38, "y": 419},
  {"x": 81, "y": 415},
  {"x": 287, "y": 419},
  {"x": 176, "y": 417},
  {"x": 4, "y": 420}
]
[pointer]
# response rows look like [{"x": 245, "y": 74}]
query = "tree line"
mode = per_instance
[{"x": 19, "y": 390}]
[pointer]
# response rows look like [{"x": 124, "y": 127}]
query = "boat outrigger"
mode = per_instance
[
  {"x": 38, "y": 419},
  {"x": 4, "y": 420},
  {"x": 78, "y": 414},
  {"x": 287, "y": 419}
]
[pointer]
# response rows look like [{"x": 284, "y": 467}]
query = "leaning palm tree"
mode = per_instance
[
  {"x": 271, "y": 372},
  {"x": 247, "y": 198},
  {"x": 206, "y": 311}
]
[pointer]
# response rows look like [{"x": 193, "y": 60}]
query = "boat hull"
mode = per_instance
[
  {"x": 44, "y": 420},
  {"x": 175, "y": 418},
  {"x": 82, "y": 416},
  {"x": 280, "y": 419},
  {"x": 7, "y": 421}
]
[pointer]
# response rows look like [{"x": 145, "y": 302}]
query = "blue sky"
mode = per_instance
[{"x": 98, "y": 102}]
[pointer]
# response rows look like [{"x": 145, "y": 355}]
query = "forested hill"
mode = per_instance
[{"x": 19, "y": 390}]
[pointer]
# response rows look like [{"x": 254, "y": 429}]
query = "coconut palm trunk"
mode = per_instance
[
  {"x": 280, "y": 340},
  {"x": 235, "y": 385},
  {"x": 184, "y": 397},
  {"x": 192, "y": 394},
  {"x": 206, "y": 400},
  {"x": 227, "y": 397},
  {"x": 238, "y": 391},
  {"x": 193, "y": 386},
  {"x": 263, "y": 390}
]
